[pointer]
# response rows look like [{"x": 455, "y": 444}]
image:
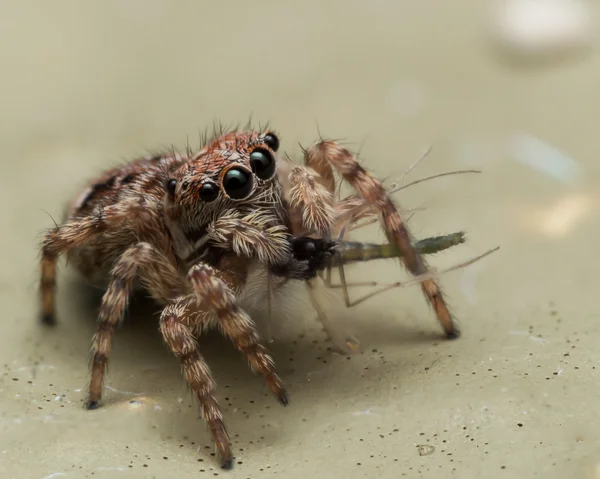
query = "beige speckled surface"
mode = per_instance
[{"x": 516, "y": 396}]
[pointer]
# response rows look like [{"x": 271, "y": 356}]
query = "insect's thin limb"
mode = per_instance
[
  {"x": 416, "y": 280},
  {"x": 177, "y": 323},
  {"x": 161, "y": 279},
  {"x": 434, "y": 273},
  {"x": 348, "y": 344},
  {"x": 343, "y": 285},
  {"x": 341, "y": 268}
]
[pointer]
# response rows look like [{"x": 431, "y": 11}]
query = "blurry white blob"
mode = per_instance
[
  {"x": 407, "y": 98},
  {"x": 538, "y": 340},
  {"x": 543, "y": 157},
  {"x": 560, "y": 218},
  {"x": 55, "y": 474},
  {"x": 366, "y": 412},
  {"x": 542, "y": 26}
]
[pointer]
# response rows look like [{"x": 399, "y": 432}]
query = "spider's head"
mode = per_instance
[{"x": 235, "y": 170}]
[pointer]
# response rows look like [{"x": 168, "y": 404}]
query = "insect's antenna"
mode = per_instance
[
  {"x": 418, "y": 162},
  {"x": 434, "y": 273},
  {"x": 394, "y": 188}
]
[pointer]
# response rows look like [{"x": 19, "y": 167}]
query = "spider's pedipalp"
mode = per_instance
[
  {"x": 258, "y": 233},
  {"x": 310, "y": 196}
]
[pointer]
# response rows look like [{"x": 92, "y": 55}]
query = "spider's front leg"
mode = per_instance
[
  {"x": 371, "y": 189},
  {"x": 73, "y": 234},
  {"x": 157, "y": 275},
  {"x": 178, "y": 322}
]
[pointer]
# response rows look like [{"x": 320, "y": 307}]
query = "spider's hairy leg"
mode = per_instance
[
  {"x": 396, "y": 231},
  {"x": 160, "y": 278},
  {"x": 72, "y": 234},
  {"x": 177, "y": 324},
  {"x": 214, "y": 293}
]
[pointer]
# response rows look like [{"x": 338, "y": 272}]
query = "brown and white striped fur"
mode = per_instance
[{"x": 154, "y": 223}]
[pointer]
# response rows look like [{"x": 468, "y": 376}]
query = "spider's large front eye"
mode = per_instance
[
  {"x": 209, "y": 192},
  {"x": 262, "y": 163},
  {"x": 237, "y": 183},
  {"x": 271, "y": 141}
]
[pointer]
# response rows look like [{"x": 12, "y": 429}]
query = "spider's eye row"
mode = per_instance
[
  {"x": 271, "y": 141},
  {"x": 171, "y": 185},
  {"x": 208, "y": 192},
  {"x": 262, "y": 163},
  {"x": 237, "y": 183}
]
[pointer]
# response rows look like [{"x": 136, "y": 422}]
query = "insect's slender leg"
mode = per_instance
[
  {"x": 159, "y": 277},
  {"x": 177, "y": 323},
  {"x": 349, "y": 344},
  {"x": 396, "y": 231},
  {"x": 417, "y": 279},
  {"x": 75, "y": 233},
  {"x": 214, "y": 293}
]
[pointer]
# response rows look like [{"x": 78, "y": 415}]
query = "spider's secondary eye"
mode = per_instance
[
  {"x": 237, "y": 183},
  {"x": 271, "y": 141},
  {"x": 209, "y": 192},
  {"x": 262, "y": 163},
  {"x": 171, "y": 185}
]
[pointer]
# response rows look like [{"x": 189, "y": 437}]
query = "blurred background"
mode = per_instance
[{"x": 508, "y": 87}]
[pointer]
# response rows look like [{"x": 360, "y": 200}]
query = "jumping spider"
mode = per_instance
[{"x": 187, "y": 228}]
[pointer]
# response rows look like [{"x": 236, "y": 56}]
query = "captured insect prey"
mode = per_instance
[
  {"x": 319, "y": 253},
  {"x": 189, "y": 229}
]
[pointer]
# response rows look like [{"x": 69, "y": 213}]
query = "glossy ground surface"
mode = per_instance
[{"x": 516, "y": 396}]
